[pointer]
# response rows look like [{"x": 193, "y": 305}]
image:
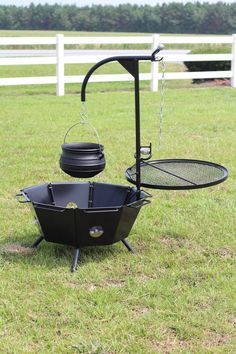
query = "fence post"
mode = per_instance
[
  {"x": 154, "y": 64},
  {"x": 233, "y": 63},
  {"x": 60, "y": 64}
]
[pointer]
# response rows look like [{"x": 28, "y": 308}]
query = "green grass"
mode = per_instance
[{"x": 178, "y": 294}]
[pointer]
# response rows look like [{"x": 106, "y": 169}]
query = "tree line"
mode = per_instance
[{"x": 219, "y": 18}]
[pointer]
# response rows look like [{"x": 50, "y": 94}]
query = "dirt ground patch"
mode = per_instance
[{"x": 17, "y": 249}]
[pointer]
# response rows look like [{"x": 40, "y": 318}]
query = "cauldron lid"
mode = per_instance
[{"x": 82, "y": 147}]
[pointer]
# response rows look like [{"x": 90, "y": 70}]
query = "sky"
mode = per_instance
[{"x": 100, "y": 2}]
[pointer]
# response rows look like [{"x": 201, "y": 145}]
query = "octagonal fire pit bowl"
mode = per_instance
[{"x": 84, "y": 213}]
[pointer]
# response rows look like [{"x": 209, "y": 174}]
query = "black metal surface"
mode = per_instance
[
  {"x": 178, "y": 174},
  {"x": 137, "y": 126},
  {"x": 82, "y": 160},
  {"x": 100, "y": 206}
]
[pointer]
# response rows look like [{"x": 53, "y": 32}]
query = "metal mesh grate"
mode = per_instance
[{"x": 178, "y": 174}]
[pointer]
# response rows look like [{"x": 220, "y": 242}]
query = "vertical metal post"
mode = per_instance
[
  {"x": 60, "y": 64},
  {"x": 154, "y": 64},
  {"x": 233, "y": 63},
  {"x": 137, "y": 125}
]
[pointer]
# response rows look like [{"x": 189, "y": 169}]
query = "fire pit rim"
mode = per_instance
[{"x": 143, "y": 197}]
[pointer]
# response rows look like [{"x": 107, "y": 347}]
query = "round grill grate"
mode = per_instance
[{"x": 178, "y": 174}]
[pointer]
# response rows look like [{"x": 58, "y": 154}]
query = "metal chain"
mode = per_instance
[
  {"x": 83, "y": 120},
  {"x": 161, "y": 112},
  {"x": 83, "y": 114}
]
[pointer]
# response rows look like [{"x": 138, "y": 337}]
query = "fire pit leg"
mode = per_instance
[
  {"x": 75, "y": 260},
  {"x": 37, "y": 242},
  {"x": 128, "y": 245}
]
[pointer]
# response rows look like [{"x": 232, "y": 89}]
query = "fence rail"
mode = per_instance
[{"x": 59, "y": 41}]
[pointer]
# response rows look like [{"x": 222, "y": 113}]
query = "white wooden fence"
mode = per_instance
[{"x": 60, "y": 59}]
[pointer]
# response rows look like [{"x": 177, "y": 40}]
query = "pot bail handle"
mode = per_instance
[{"x": 83, "y": 120}]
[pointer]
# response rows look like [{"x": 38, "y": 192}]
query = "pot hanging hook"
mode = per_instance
[{"x": 83, "y": 120}]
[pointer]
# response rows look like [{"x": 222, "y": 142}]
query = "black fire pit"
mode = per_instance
[
  {"x": 85, "y": 213},
  {"x": 92, "y": 214}
]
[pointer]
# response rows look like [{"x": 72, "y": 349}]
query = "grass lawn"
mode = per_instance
[{"x": 178, "y": 294}]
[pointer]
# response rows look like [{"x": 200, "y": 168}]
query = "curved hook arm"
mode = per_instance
[
  {"x": 156, "y": 51},
  {"x": 119, "y": 59},
  {"x": 104, "y": 61}
]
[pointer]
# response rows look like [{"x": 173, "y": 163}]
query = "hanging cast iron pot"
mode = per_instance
[{"x": 82, "y": 159}]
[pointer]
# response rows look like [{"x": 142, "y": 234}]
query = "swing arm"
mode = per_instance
[{"x": 131, "y": 64}]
